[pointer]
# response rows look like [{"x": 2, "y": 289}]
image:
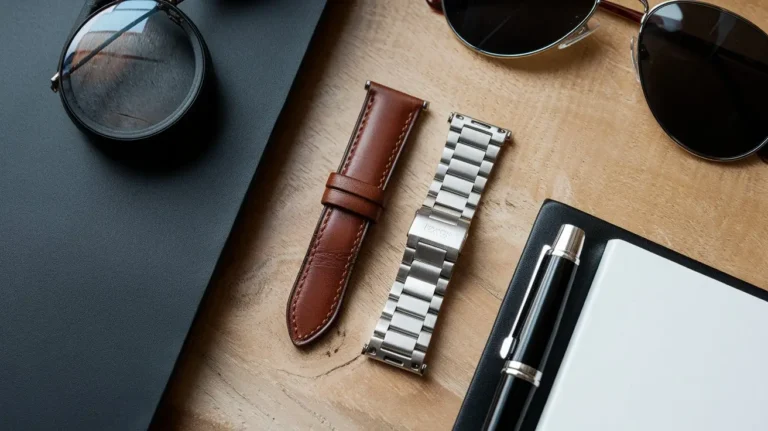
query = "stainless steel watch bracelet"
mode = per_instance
[{"x": 435, "y": 239}]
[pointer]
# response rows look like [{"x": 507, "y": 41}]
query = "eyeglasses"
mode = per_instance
[
  {"x": 132, "y": 69},
  {"x": 703, "y": 69}
]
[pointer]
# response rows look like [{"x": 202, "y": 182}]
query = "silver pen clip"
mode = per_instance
[{"x": 509, "y": 342}]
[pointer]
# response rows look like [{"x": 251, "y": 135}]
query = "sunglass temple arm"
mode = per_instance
[{"x": 625, "y": 12}]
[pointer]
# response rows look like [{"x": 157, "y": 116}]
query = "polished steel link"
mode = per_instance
[{"x": 437, "y": 235}]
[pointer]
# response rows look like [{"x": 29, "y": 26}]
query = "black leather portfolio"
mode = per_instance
[
  {"x": 598, "y": 232},
  {"x": 103, "y": 265}
]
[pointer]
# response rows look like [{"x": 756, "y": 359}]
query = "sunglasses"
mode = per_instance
[
  {"x": 132, "y": 70},
  {"x": 703, "y": 69}
]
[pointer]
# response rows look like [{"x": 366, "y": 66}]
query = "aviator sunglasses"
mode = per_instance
[
  {"x": 131, "y": 70},
  {"x": 703, "y": 69}
]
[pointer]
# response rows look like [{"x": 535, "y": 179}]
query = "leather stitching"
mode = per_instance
[
  {"x": 363, "y": 123},
  {"x": 304, "y": 275},
  {"x": 396, "y": 150},
  {"x": 352, "y": 254}
]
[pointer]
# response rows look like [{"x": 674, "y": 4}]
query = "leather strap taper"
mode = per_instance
[{"x": 354, "y": 197}]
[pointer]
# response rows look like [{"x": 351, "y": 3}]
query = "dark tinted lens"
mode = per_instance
[
  {"x": 515, "y": 27},
  {"x": 131, "y": 69},
  {"x": 705, "y": 75}
]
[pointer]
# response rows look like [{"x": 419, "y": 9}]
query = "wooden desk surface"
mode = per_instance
[{"x": 582, "y": 134}]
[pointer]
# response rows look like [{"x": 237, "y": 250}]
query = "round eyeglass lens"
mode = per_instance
[
  {"x": 704, "y": 72},
  {"x": 510, "y": 28},
  {"x": 132, "y": 70}
]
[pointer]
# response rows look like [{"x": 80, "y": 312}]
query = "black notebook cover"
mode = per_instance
[
  {"x": 598, "y": 232},
  {"x": 102, "y": 265}
]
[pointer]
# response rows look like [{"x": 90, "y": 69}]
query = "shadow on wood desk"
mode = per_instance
[{"x": 582, "y": 134}]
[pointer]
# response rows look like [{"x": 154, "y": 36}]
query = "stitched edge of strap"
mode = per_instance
[
  {"x": 305, "y": 273},
  {"x": 396, "y": 150},
  {"x": 350, "y": 261}
]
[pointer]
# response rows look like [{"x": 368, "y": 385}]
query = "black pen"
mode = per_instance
[{"x": 534, "y": 330}]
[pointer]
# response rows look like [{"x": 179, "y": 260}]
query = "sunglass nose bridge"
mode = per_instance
[{"x": 581, "y": 33}]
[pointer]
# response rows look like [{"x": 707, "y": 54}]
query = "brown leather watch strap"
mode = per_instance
[{"x": 354, "y": 197}]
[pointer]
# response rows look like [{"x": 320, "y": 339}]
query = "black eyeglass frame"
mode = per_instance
[{"x": 93, "y": 8}]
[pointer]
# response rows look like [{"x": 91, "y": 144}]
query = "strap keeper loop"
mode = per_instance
[{"x": 354, "y": 195}]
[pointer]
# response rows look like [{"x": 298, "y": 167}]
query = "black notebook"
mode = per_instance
[
  {"x": 609, "y": 254},
  {"x": 103, "y": 266}
]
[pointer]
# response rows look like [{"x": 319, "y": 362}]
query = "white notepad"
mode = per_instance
[{"x": 659, "y": 347}]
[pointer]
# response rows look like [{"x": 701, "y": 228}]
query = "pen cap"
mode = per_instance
[{"x": 569, "y": 242}]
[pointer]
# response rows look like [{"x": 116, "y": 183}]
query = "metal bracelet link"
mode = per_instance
[{"x": 404, "y": 330}]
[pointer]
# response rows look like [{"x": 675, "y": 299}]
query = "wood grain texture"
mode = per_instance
[{"x": 582, "y": 135}]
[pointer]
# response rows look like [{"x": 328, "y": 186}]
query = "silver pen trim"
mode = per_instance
[
  {"x": 569, "y": 243},
  {"x": 523, "y": 371},
  {"x": 566, "y": 255}
]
